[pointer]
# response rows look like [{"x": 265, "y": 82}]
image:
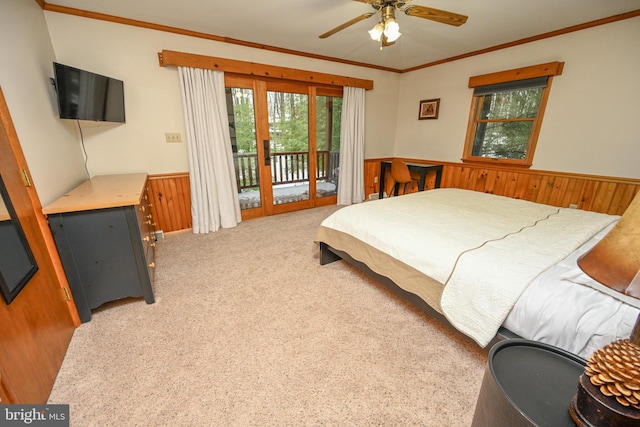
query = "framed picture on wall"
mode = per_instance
[{"x": 429, "y": 109}]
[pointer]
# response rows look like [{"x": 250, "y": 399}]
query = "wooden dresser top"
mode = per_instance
[{"x": 100, "y": 192}]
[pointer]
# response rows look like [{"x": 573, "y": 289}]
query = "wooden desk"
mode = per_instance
[
  {"x": 422, "y": 168},
  {"x": 105, "y": 237}
]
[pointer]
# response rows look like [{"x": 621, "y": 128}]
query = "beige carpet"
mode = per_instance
[{"x": 249, "y": 330}]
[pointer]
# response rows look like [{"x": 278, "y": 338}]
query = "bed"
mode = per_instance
[{"x": 490, "y": 266}]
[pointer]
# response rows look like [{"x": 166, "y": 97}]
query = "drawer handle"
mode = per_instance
[
  {"x": 146, "y": 238},
  {"x": 152, "y": 244},
  {"x": 152, "y": 265}
]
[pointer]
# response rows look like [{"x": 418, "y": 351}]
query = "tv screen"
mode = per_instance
[{"x": 83, "y": 95}]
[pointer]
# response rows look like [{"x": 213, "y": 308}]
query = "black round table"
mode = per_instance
[{"x": 528, "y": 383}]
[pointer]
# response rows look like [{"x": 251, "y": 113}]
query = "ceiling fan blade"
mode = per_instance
[
  {"x": 346, "y": 24},
  {"x": 437, "y": 15}
]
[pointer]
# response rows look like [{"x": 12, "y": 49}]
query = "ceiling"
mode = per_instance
[{"x": 296, "y": 24}]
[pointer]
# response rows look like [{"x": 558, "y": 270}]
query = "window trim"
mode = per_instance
[{"x": 542, "y": 70}]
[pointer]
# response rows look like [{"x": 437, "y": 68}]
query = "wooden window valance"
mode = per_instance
[
  {"x": 524, "y": 73},
  {"x": 169, "y": 57}
]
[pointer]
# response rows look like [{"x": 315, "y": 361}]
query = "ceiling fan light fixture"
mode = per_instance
[
  {"x": 387, "y": 30},
  {"x": 376, "y": 32},
  {"x": 392, "y": 30}
]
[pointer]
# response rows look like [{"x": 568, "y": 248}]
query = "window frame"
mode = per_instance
[{"x": 542, "y": 70}]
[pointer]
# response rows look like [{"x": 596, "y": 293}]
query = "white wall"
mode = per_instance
[
  {"x": 591, "y": 125},
  {"x": 26, "y": 56},
  {"x": 152, "y": 96},
  {"x": 592, "y": 121}
]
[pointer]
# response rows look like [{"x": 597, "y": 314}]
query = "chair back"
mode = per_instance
[{"x": 400, "y": 171}]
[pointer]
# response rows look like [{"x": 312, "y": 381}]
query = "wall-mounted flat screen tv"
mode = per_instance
[{"x": 83, "y": 95}]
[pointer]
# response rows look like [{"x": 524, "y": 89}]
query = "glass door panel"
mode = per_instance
[
  {"x": 288, "y": 115},
  {"x": 328, "y": 119},
  {"x": 285, "y": 140},
  {"x": 242, "y": 127}
]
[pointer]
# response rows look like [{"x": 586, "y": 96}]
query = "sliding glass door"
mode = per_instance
[
  {"x": 242, "y": 128},
  {"x": 288, "y": 146},
  {"x": 286, "y": 142},
  {"x": 327, "y": 142}
]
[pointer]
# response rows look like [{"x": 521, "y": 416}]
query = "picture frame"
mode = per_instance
[{"x": 429, "y": 109}]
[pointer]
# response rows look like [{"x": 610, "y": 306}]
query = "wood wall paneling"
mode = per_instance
[
  {"x": 371, "y": 172},
  {"x": 170, "y": 201},
  {"x": 594, "y": 193}
]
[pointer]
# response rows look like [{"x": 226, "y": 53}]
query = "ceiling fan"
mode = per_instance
[{"x": 387, "y": 30}]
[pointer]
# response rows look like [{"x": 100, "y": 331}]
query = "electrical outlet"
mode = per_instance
[
  {"x": 173, "y": 137},
  {"x": 375, "y": 180}
]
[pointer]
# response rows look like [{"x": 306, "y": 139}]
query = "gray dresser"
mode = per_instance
[{"x": 105, "y": 236}]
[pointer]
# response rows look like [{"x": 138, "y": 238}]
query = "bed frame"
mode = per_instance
[{"x": 329, "y": 254}]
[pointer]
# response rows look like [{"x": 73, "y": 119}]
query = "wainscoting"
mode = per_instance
[
  {"x": 171, "y": 199},
  {"x": 588, "y": 192}
]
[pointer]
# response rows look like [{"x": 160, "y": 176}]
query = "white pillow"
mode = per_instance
[{"x": 580, "y": 277}]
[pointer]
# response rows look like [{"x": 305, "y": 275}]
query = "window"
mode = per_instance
[{"x": 506, "y": 114}]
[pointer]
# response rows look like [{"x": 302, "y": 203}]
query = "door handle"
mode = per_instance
[{"x": 267, "y": 152}]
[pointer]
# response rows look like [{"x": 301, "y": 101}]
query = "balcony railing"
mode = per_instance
[{"x": 286, "y": 168}]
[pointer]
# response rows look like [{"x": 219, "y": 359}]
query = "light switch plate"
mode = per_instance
[{"x": 173, "y": 137}]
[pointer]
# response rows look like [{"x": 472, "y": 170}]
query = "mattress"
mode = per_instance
[{"x": 422, "y": 242}]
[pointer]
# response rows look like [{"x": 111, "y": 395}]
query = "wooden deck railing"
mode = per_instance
[{"x": 286, "y": 168}]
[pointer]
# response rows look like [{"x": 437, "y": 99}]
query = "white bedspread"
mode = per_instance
[
  {"x": 445, "y": 234},
  {"x": 488, "y": 281}
]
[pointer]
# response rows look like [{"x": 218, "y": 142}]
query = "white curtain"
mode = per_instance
[
  {"x": 214, "y": 191},
  {"x": 351, "y": 173}
]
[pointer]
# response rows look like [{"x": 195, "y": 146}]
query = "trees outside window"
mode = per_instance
[
  {"x": 504, "y": 123},
  {"x": 506, "y": 114}
]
